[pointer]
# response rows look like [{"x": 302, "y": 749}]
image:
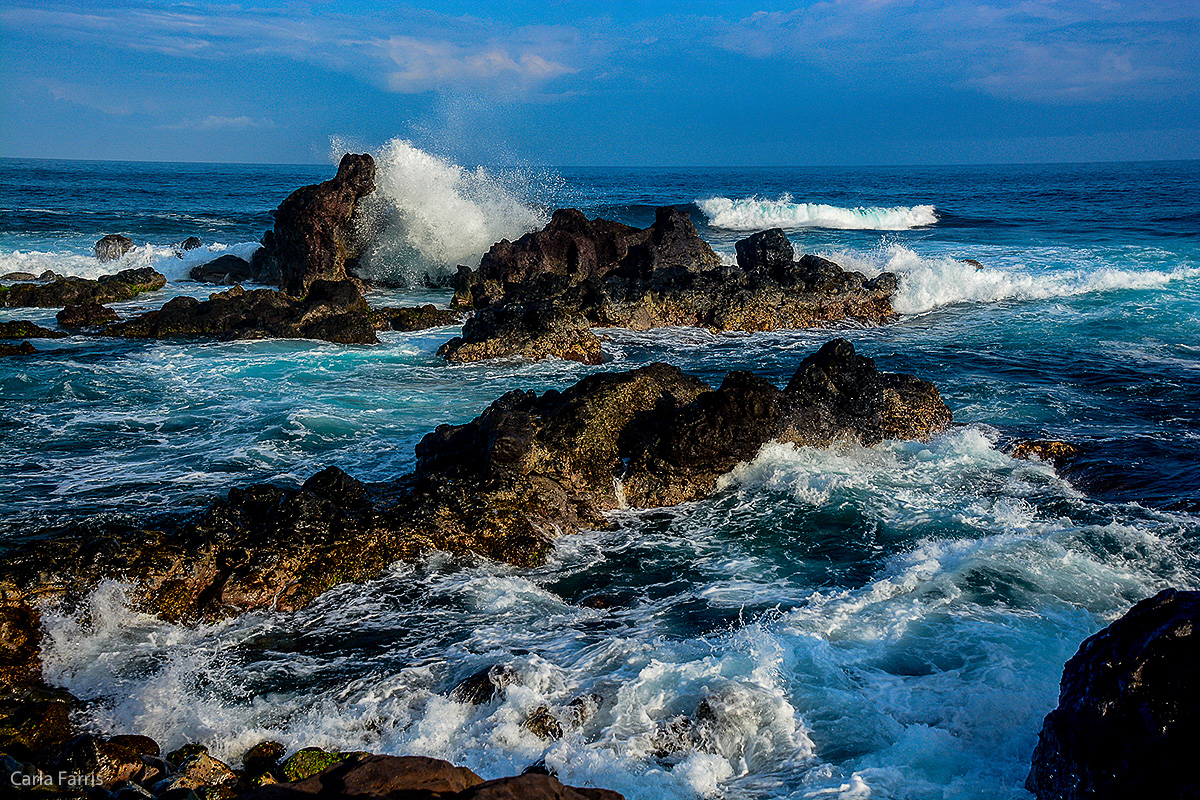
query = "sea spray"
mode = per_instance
[
  {"x": 755, "y": 214},
  {"x": 429, "y": 215}
]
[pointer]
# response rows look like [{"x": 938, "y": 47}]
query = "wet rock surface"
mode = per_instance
[
  {"x": 225, "y": 270},
  {"x": 112, "y": 247},
  {"x": 86, "y": 315},
  {"x": 331, "y": 311},
  {"x": 20, "y": 329},
  {"x": 22, "y": 349},
  {"x": 537, "y": 296},
  {"x": 1128, "y": 714},
  {"x": 313, "y": 238},
  {"x": 413, "y": 318},
  {"x": 528, "y": 469},
  {"x": 124, "y": 285}
]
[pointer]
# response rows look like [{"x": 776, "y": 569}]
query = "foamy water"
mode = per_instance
[{"x": 756, "y": 214}]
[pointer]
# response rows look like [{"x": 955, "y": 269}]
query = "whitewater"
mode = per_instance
[{"x": 852, "y": 622}]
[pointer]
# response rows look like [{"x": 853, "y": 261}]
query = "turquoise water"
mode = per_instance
[{"x": 883, "y": 622}]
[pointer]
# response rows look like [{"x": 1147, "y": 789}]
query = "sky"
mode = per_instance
[{"x": 834, "y": 82}]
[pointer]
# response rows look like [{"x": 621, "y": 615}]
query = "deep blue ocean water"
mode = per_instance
[{"x": 884, "y": 622}]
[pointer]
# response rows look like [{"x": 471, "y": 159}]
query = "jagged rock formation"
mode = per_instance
[
  {"x": 528, "y": 469},
  {"x": 1128, "y": 715},
  {"x": 333, "y": 311},
  {"x": 414, "y": 318},
  {"x": 224, "y": 270},
  {"x": 125, "y": 285},
  {"x": 538, "y": 296},
  {"x": 112, "y": 247},
  {"x": 86, "y": 315},
  {"x": 313, "y": 237},
  {"x": 23, "y": 329}
]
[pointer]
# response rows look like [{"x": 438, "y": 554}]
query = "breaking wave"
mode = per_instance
[
  {"x": 428, "y": 215},
  {"x": 754, "y": 213}
]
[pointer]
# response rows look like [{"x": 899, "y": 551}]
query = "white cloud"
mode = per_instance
[
  {"x": 425, "y": 65},
  {"x": 215, "y": 123}
]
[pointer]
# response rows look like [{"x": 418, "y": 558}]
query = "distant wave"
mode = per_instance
[
  {"x": 754, "y": 214},
  {"x": 429, "y": 215},
  {"x": 927, "y": 283},
  {"x": 164, "y": 258}
]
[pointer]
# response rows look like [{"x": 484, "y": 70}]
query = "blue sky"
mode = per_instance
[{"x": 564, "y": 83}]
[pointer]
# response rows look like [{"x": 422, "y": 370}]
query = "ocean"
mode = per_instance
[{"x": 883, "y": 622}]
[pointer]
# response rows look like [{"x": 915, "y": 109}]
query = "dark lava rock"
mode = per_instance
[
  {"x": 1128, "y": 715},
  {"x": 505, "y": 485},
  {"x": 420, "y": 778},
  {"x": 190, "y": 243},
  {"x": 18, "y": 276},
  {"x": 86, "y": 315},
  {"x": 332, "y": 311},
  {"x": 22, "y": 349},
  {"x": 313, "y": 238},
  {"x": 485, "y": 685},
  {"x": 538, "y": 296},
  {"x": 20, "y": 329},
  {"x": 20, "y": 638},
  {"x": 1049, "y": 450},
  {"x": 111, "y": 761},
  {"x": 415, "y": 318},
  {"x": 225, "y": 270},
  {"x": 126, "y": 284},
  {"x": 113, "y": 246}
]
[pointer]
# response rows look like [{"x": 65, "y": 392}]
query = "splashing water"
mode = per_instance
[
  {"x": 429, "y": 215},
  {"x": 753, "y": 214}
]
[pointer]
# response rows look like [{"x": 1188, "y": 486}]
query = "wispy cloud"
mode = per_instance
[{"x": 219, "y": 123}]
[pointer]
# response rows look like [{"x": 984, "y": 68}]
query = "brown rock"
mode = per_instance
[
  {"x": 113, "y": 246},
  {"x": 86, "y": 315},
  {"x": 313, "y": 238},
  {"x": 125, "y": 285},
  {"x": 416, "y": 318},
  {"x": 22, "y": 349},
  {"x": 377, "y": 776},
  {"x": 1048, "y": 450},
  {"x": 20, "y": 329}
]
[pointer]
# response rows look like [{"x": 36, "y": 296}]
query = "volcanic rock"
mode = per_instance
[
  {"x": 313, "y": 238},
  {"x": 22, "y": 349},
  {"x": 21, "y": 329},
  {"x": 333, "y": 311},
  {"x": 536, "y": 296},
  {"x": 190, "y": 243},
  {"x": 126, "y": 284},
  {"x": 18, "y": 276},
  {"x": 86, "y": 315},
  {"x": 1048, "y": 450},
  {"x": 505, "y": 485},
  {"x": 1128, "y": 715},
  {"x": 225, "y": 270},
  {"x": 416, "y": 318},
  {"x": 112, "y": 247}
]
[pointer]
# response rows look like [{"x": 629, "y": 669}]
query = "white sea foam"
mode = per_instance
[
  {"x": 175, "y": 265},
  {"x": 755, "y": 213},
  {"x": 929, "y": 282},
  {"x": 428, "y": 215}
]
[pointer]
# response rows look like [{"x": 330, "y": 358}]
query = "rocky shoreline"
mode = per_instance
[{"x": 529, "y": 469}]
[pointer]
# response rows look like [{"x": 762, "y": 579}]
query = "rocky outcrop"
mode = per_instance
[
  {"x": 21, "y": 329},
  {"x": 112, "y": 247},
  {"x": 125, "y": 285},
  {"x": 22, "y": 349},
  {"x": 413, "y": 318},
  {"x": 225, "y": 270},
  {"x": 1128, "y": 715},
  {"x": 332, "y": 311},
  {"x": 18, "y": 276},
  {"x": 190, "y": 243},
  {"x": 537, "y": 296},
  {"x": 530, "y": 468},
  {"x": 86, "y": 315},
  {"x": 420, "y": 778},
  {"x": 1049, "y": 450},
  {"x": 313, "y": 238}
]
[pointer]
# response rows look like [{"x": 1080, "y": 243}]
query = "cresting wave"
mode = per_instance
[
  {"x": 930, "y": 282},
  {"x": 755, "y": 214},
  {"x": 429, "y": 215}
]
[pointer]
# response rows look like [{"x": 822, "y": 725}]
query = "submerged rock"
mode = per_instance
[
  {"x": 22, "y": 349},
  {"x": 86, "y": 315},
  {"x": 1048, "y": 450},
  {"x": 125, "y": 285},
  {"x": 505, "y": 485},
  {"x": 190, "y": 243},
  {"x": 313, "y": 238},
  {"x": 225, "y": 270},
  {"x": 332, "y": 311},
  {"x": 414, "y": 318},
  {"x": 538, "y": 296},
  {"x": 112, "y": 247},
  {"x": 21, "y": 329},
  {"x": 1128, "y": 715}
]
